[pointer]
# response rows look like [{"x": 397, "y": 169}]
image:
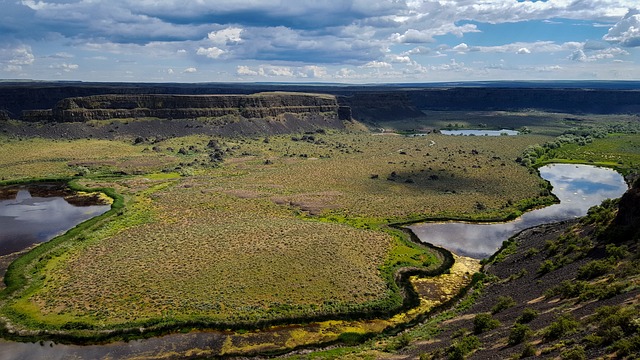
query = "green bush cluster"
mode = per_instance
[
  {"x": 503, "y": 302},
  {"x": 519, "y": 333},
  {"x": 564, "y": 325},
  {"x": 484, "y": 322},
  {"x": 463, "y": 347}
]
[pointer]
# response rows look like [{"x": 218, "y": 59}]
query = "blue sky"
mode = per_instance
[{"x": 356, "y": 41}]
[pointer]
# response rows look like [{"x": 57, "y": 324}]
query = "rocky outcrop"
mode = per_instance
[
  {"x": 370, "y": 107},
  {"x": 4, "y": 115},
  {"x": 601, "y": 101},
  {"x": 626, "y": 225},
  {"x": 258, "y": 106}
]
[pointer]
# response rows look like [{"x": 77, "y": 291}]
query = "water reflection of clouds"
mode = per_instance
[
  {"x": 578, "y": 187},
  {"x": 26, "y": 220}
]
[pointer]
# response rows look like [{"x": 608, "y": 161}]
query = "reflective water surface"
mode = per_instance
[
  {"x": 578, "y": 187},
  {"x": 26, "y": 220},
  {"x": 479, "y": 132}
]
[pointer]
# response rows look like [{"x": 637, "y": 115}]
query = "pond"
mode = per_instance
[
  {"x": 32, "y": 214},
  {"x": 578, "y": 187},
  {"x": 470, "y": 132}
]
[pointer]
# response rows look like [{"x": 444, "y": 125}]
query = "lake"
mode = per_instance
[
  {"x": 578, "y": 187},
  {"x": 32, "y": 214},
  {"x": 471, "y": 132}
]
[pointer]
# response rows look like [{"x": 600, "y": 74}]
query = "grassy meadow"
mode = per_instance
[{"x": 223, "y": 231}]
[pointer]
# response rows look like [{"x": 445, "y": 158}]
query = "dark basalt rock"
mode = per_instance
[
  {"x": 626, "y": 225},
  {"x": 260, "y": 106}
]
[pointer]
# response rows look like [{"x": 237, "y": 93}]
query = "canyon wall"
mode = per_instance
[{"x": 258, "y": 106}]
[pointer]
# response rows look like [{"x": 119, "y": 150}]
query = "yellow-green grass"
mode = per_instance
[
  {"x": 41, "y": 158},
  {"x": 294, "y": 238},
  {"x": 621, "y": 151}
]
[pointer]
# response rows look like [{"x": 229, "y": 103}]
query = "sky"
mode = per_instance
[{"x": 329, "y": 41}]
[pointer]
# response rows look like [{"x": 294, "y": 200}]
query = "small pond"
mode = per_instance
[
  {"x": 38, "y": 213},
  {"x": 470, "y": 132},
  {"x": 578, "y": 187}
]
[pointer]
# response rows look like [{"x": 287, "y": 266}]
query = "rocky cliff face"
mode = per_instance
[
  {"x": 259, "y": 106},
  {"x": 626, "y": 225},
  {"x": 556, "y": 100},
  {"x": 370, "y": 107},
  {"x": 368, "y": 103}
]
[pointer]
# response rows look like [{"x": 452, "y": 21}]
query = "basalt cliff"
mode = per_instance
[{"x": 258, "y": 106}]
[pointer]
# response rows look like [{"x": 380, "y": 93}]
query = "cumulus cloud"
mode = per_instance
[
  {"x": 419, "y": 50},
  {"x": 211, "y": 53},
  {"x": 627, "y": 31},
  {"x": 190, "y": 70},
  {"x": 523, "y": 50},
  {"x": 604, "y": 54},
  {"x": 412, "y": 36},
  {"x": 377, "y": 65},
  {"x": 64, "y": 67},
  {"x": 230, "y": 35},
  {"x": 13, "y": 58},
  {"x": 461, "y": 48},
  {"x": 245, "y": 71}
]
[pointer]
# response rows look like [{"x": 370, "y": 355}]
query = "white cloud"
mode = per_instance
[
  {"x": 419, "y": 50},
  {"x": 13, "y": 58},
  {"x": 399, "y": 59},
  {"x": 412, "y": 36},
  {"x": 377, "y": 65},
  {"x": 523, "y": 50},
  {"x": 65, "y": 67},
  {"x": 211, "y": 53},
  {"x": 230, "y": 35},
  {"x": 313, "y": 71},
  {"x": 277, "y": 71},
  {"x": 461, "y": 48},
  {"x": 190, "y": 70},
  {"x": 627, "y": 31},
  {"x": 578, "y": 55},
  {"x": 245, "y": 71},
  {"x": 604, "y": 54}
]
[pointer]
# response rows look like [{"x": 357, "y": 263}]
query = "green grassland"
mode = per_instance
[
  {"x": 248, "y": 231},
  {"x": 285, "y": 227}
]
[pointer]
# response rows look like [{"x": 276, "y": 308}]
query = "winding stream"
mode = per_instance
[{"x": 578, "y": 187}]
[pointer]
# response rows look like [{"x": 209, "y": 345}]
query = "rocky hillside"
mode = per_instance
[
  {"x": 368, "y": 103},
  {"x": 258, "y": 106},
  {"x": 569, "y": 290}
]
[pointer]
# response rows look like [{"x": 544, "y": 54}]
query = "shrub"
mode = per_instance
[
  {"x": 461, "y": 348},
  {"x": 617, "y": 252},
  {"x": 626, "y": 347},
  {"x": 484, "y": 322},
  {"x": 575, "y": 353},
  {"x": 593, "y": 269},
  {"x": 564, "y": 325},
  {"x": 545, "y": 267},
  {"x": 519, "y": 333},
  {"x": 528, "y": 314},
  {"x": 567, "y": 289},
  {"x": 528, "y": 351},
  {"x": 504, "y": 302}
]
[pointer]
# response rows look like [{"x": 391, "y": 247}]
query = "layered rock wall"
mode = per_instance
[{"x": 259, "y": 106}]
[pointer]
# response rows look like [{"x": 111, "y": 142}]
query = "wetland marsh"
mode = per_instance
[{"x": 246, "y": 233}]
